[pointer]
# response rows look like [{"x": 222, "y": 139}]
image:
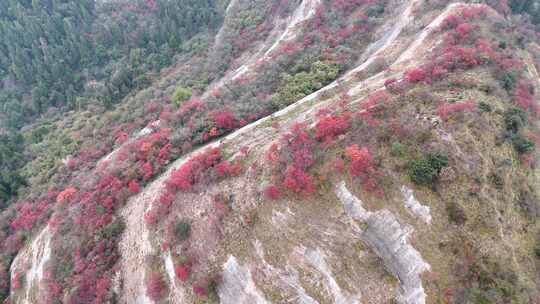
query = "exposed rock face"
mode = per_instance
[
  {"x": 309, "y": 272},
  {"x": 414, "y": 205},
  {"x": 238, "y": 286},
  {"x": 35, "y": 257},
  {"x": 303, "y": 12},
  {"x": 176, "y": 293},
  {"x": 317, "y": 259},
  {"x": 386, "y": 236}
]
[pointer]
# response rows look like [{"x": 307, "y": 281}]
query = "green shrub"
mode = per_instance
[
  {"x": 425, "y": 171},
  {"x": 437, "y": 161},
  {"x": 522, "y": 144},
  {"x": 484, "y": 107},
  {"x": 508, "y": 81},
  {"x": 421, "y": 172},
  {"x": 375, "y": 10},
  {"x": 180, "y": 95},
  {"x": 397, "y": 149},
  {"x": 496, "y": 180},
  {"x": 182, "y": 230},
  {"x": 304, "y": 83},
  {"x": 114, "y": 229},
  {"x": 515, "y": 119}
]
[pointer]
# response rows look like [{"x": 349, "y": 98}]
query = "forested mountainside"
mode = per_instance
[
  {"x": 269, "y": 151},
  {"x": 68, "y": 55}
]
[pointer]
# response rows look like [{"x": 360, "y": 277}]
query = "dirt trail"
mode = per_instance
[
  {"x": 135, "y": 244},
  {"x": 303, "y": 12}
]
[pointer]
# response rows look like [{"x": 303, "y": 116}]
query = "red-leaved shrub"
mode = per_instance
[
  {"x": 362, "y": 166},
  {"x": 182, "y": 272},
  {"x": 224, "y": 119},
  {"x": 16, "y": 281},
  {"x": 156, "y": 288},
  {"x": 134, "y": 187},
  {"x": 446, "y": 109},
  {"x": 298, "y": 181},
  {"x": 272, "y": 192},
  {"x": 331, "y": 126},
  {"x": 66, "y": 195},
  {"x": 524, "y": 97},
  {"x": 415, "y": 75},
  {"x": 185, "y": 177},
  {"x": 200, "y": 290}
]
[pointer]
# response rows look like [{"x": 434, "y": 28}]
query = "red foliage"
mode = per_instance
[
  {"x": 459, "y": 57},
  {"x": 361, "y": 159},
  {"x": 29, "y": 214},
  {"x": 224, "y": 119},
  {"x": 303, "y": 158},
  {"x": 451, "y": 22},
  {"x": 66, "y": 195},
  {"x": 182, "y": 272},
  {"x": 225, "y": 168},
  {"x": 464, "y": 29},
  {"x": 121, "y": 137},
  {"x": 200, "y": 289},
  {"x": 163, "y": 154},
  {"x": 54, "y": 291},
  {"x": 339, "y": 165},
  {"x": 415, "y": 75},
  {"x": 150, "y": 218},
  {"x": 213, "y": 132},
  {"x": 13, "y": 243},
  {"x": 244, "y": 150},
  {"x": 388, "y": 82},
  {"x": 272, "y": 155},
  {"x": 299, "y": 145},
  {"x": 375, "y": 99},
  {"x": 289, "y": 48},
  {"x": 446, "y": 109},
  {"x": 524, "y": 97},
  {"x": 331, "y": 126},
  {"x": 298, "y": 181},
  {"x": 362, "y": 166},
  {"x": 369, "y": 106},
  {"x": 16, "y": 281},
  {"x": 346, "y": 32},
  {"x": 156, "y": 287},
  {"x": 399, "y": 129},
  {"x": 472, "y": 12},
  {"x": 272, "y": 192},
  {"x": 103, "y": 286},
  {"x": 134, "y": 187},
  {"x": 185, "y": 177},
  {"x": 192, "y": 105},
  {"x": 147, "y": 170}
]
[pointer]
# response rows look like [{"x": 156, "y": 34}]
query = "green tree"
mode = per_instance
[{"x": 180, "y": 95}]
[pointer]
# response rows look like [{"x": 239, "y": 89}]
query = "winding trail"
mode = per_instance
[
  {"x": 136, "y": 245},
  {"x": 303, "y": 12},
  {"x": 254, "y": 135}
]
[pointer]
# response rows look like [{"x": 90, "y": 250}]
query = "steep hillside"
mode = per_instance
[{"x": 315, "y": 151}]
